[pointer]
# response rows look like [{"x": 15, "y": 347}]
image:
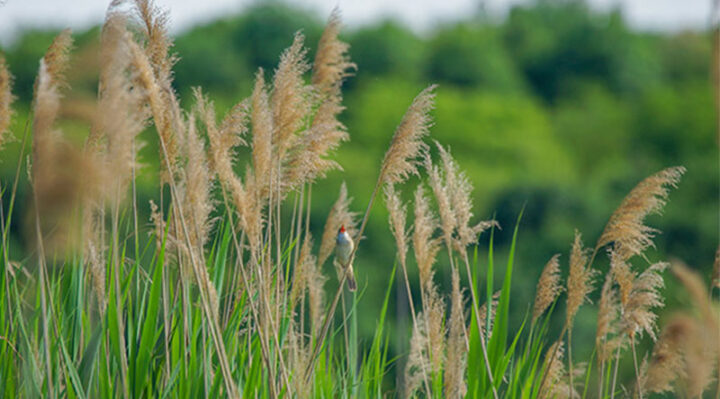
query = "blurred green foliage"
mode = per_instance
[{"x": 557, "y": 107}]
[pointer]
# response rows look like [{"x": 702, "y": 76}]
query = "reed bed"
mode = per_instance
[{"x": 228, "y": 297}]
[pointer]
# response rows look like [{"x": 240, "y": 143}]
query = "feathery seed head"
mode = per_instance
[
  {"x": 407, "y": 144},
  {"x": 637, "y": 313},
  {"x": 397, "y": 215},
  {"x": 454, "y": 377},
  {"x": 548, "y": 287},
  {"x": 6, "y": 99},
  {"x": 262, "y": 132},
  {"x": 425, "y": 246},
  {"x": 626, "y": 226},
  {"x": 580, "y": 279},
  {"x": 607, "y": 336}
]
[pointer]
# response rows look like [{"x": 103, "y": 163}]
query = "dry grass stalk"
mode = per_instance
[
  {"x": 625, "y": 227},
  {"x": 548, "y": 287},
  {"x": 607, "y": 338},
  {"x": 196, "y": 189},
  {"x": 307, "y": 277},
  {"x": 400, "y": 160},
  {"x": 580, "y": 280},
  {"x": 556, "y": 384},
  {"x": 416, "y": 369},
  {"x": 6, "y": 99},
  {"x": 339, "y": 215},
  {"x": 454, "y": 377},
  {"x": 298, "y": 358},
  {"x": 434, "y": 312},
  {"x": 424, "y": 245}
]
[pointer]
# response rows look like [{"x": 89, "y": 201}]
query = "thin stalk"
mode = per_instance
[
  {"x": 118, "y": 305},
  {"x": 615, "y": 373},
  {"x": 414, "y": 318},
  {"x": 331, "y": 310},
  {"x": 476, "y": 309},
  {"x": 43, "y": 304},
  {"x": 217, "y": 338},
  {"x": 6, "y": 223},
  {"x": 601, "y": 383},
  {"x": 552, "y": 358},
  {"x": 637, "y": 370},
  {"x": 264, "y": 345},
  {"x": 570, "y": 365}
]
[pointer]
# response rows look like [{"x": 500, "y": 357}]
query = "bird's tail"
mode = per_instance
[{"x": 352, "y": 285}]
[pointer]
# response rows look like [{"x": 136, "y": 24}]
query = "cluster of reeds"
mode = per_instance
[{"x": 231, "y": 300}]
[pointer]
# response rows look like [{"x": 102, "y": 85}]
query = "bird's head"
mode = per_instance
[{"x": 342, "y": 229}]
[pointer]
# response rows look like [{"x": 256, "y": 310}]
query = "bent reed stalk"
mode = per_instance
[{"x": 242, "y": 297}]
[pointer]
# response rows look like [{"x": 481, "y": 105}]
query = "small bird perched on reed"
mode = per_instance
[{"x": 343, "y": 250}]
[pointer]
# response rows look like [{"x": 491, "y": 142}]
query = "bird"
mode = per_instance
[{"x": 343, "y": 251}]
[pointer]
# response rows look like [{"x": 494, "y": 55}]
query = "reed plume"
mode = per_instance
[
  {"x": 626, "y": 226},
  {"x": 157, "y": 40},
  {"x": 416, "y": 368},
  {"x": 197, "y": 188},
  {"x": 407, "y": 144},
  {"x": 580, "y": 280},
  {"x": 6, "y": 99},
  {"x": 607, "y": 337},
  {"x": 639, "y": 294},
  {"x": 307, "y": 277},
  {"x": 548, "y": 287},
  {"x": 424, "y": 245},
  {"x": 332, "y": 63},
  {"x": 154, "y": 63},
  {"x": 58, "y": 187},
  {"x": 121, "y": 113},
  {"x": 224, "y": 139},
  {"x": 556, "y": 384},
  {"x": 331, "y": 66},
  {"x": 704, "y": 352},
  {"x": 262, "y": 137},
  {"x": 667, "y": 362},
  {"x": 290, "y": 100},
  {"x": 438, "y": 182},
  {"x": 685, "y": 356},
  {"x": 397, "y": 219}
]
